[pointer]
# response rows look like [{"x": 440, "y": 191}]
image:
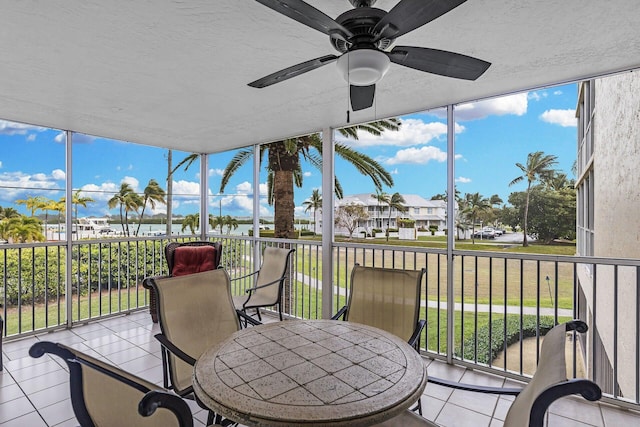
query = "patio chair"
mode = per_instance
[
  {"x": 186, "y": 258},
  {"x": 548, "y": 384},
  {"x": 195, "y": 312},
  {"x": 267, "y": 290},
  {"x": 388, "y": 299},
  {"x": 103, "y": 395}
]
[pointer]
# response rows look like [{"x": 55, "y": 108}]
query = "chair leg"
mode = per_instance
[
  {"x": 258, "y": 313},
  {"x": 280, "y": 310}
]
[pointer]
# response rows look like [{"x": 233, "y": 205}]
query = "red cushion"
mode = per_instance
[{"x": 193, "y": 259}]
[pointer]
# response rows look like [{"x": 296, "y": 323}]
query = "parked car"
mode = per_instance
[{"x": 484, "y": 234}]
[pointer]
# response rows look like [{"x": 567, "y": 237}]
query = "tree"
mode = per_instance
[
  {"x": 230, "y": 222},
  {"x": 128, "y": 201},
  {"x": 153, "y": 194},
  {"x": 284, "y": 168},
  {"x": 32, "y": 203},
  {"x": 380, "y": 197},
  {"x": 21, "y": 229},
  {"x": 552, "y": 214},
  {"x": 393, "y": 201},
  {"x": 475, "y": 205},
  {"x": 8, "y": 212},
  {"x": 76, "y": 199},
  {"x": 349, "y": 217},
  {"x": 538, "y": 167},
  {"x": 192, "y": 221},
  {"x": 315, "y": 203},
  {"x": 216, "y": 221}
]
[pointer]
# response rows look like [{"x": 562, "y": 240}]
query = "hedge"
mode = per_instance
[{"x": 485, "y": 354}]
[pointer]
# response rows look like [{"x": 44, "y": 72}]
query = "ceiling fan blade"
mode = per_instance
[
  {"x": 408, "y": 15},
  {"x": 440, "y": 62},
  {"x": 293, "y": 71},
  {"x": 361, "y": 96},
  {"x": 308, "y": 15}
]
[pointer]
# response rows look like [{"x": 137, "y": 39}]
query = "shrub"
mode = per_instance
[
  {"x": 406, "y": 223},
  {"x": 486, "y": 354}
]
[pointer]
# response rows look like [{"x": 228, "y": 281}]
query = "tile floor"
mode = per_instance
[{"x": 34, "y": 392}]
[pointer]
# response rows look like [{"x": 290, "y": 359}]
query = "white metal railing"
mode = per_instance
[{"x": 498, "y": 297}]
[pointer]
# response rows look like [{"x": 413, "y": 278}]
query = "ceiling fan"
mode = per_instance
[{"x": 364, "y": 34}]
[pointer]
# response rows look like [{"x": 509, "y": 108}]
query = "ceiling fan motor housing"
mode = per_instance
[{"x": 360, "y": 22}]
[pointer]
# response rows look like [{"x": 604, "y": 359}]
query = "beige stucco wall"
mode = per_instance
[{"x": 616, "y": 136}]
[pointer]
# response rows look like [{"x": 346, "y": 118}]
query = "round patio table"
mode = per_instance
[{"x": 310, "y": 373}]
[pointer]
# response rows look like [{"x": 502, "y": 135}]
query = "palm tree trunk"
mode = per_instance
[
  {"x": 284, "y": 205},
  {"x": 526, "y": 215}
]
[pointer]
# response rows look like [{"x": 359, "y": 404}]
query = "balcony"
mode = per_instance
[{"x": 106, "y": 311}]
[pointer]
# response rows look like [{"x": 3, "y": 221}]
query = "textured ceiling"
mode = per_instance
[{"x": 174, "y": 73}]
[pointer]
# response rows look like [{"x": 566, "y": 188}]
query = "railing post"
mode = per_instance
[
  {"x": 256, "y": 207},
  {"x": 451, "y": 228},
  {"x": 68, "y": 224},
  {"x": 328, "y": 173}
]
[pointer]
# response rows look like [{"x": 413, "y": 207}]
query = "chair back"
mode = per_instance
[
  {"x": 275, "y": 263},
  {"x": 103, "y": 395},
  {"x": 192, "y": 257},
  {"x": 549, "y": 381},
  {"x": 385, "y": 298},
  {"x": 195, "y": 312}
]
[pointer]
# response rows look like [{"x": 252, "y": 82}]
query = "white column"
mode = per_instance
[
  {"x": 256, "y": 206},
  {"x": 451, "y": 227},
  {"x": 68, "y": 226},
  {"x": 328, "y": 174}
]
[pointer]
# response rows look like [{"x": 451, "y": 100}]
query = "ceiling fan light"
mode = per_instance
[{"x": 363, "y": 67}]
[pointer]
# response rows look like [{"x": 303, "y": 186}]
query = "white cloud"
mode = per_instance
[
  {"x": 394, "y": 172},
  {"x": 564, "y": 118},
  {"x": 100, "y": 192},
  {"x": 186, "y": 190},
  {"x": 11, "y": 128},
  {"x": 420, "y": 155},
  {"x": 31, "y": 137},
  {"x": 463, "y": 180},
  {"x": 0, "y": 164},
  {"x": 411, "y": 132},
  {"x": 216, "y": 172},
  {"x": 133, "y": 182},
  {"x": 512, "y": 104},
  {"x": 306, "y": 174},
  {"x": 557, "y": 92},
  {"x": 77, "y": 138},
  {"x": 58, "y": 174},
  {"x": 244, "y": 188},
  {"x": 537, "y": 96},
  {"x": 18, "y": 185}
]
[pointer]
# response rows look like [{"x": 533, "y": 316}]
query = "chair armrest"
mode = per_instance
[
  {"x": 159, "y": 399},
  {"x": 414, "y": 341},
  {"x": 588, "y": 389},
  {"x": 243, "y": 317},
  {"x": 146, "y": 281},
  {"x": 245, "y": 276},
  {"x": 474, "y": 387},
  {"x": 175, "y": 350},
  {"x": 340, "y": 313},
  {"x": 266, "y": 284}
]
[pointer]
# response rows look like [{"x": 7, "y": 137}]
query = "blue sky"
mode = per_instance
[{"x": 491, "y": 136}]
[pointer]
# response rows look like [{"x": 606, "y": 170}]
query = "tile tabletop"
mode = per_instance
[{"x": 310, "y": 372}]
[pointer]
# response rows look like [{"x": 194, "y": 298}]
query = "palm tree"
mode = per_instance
[
  {"x": 23, "y": 229},
  {"x": 186, "y": 162},
  {"x": 153, "y": 194},
  {"x": 395, "y": 201},
  {"x": 192, "y": 221},
  {"x": 284, "y": 169},
  {"x": 315, "y": 203},
  {"x": 475, "y": 205},
  {"x": 538, "y": 167},
  {"x": 8, "y": 212},
  {"x": 231, "y": 223},
  {"x": 128, "y": 201},
  {"x": 381, "y": 197},
  {"x": 32, "y": 203},
  {"x": 76, "y": 199},
  {"x": 216, "y": 221}
]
